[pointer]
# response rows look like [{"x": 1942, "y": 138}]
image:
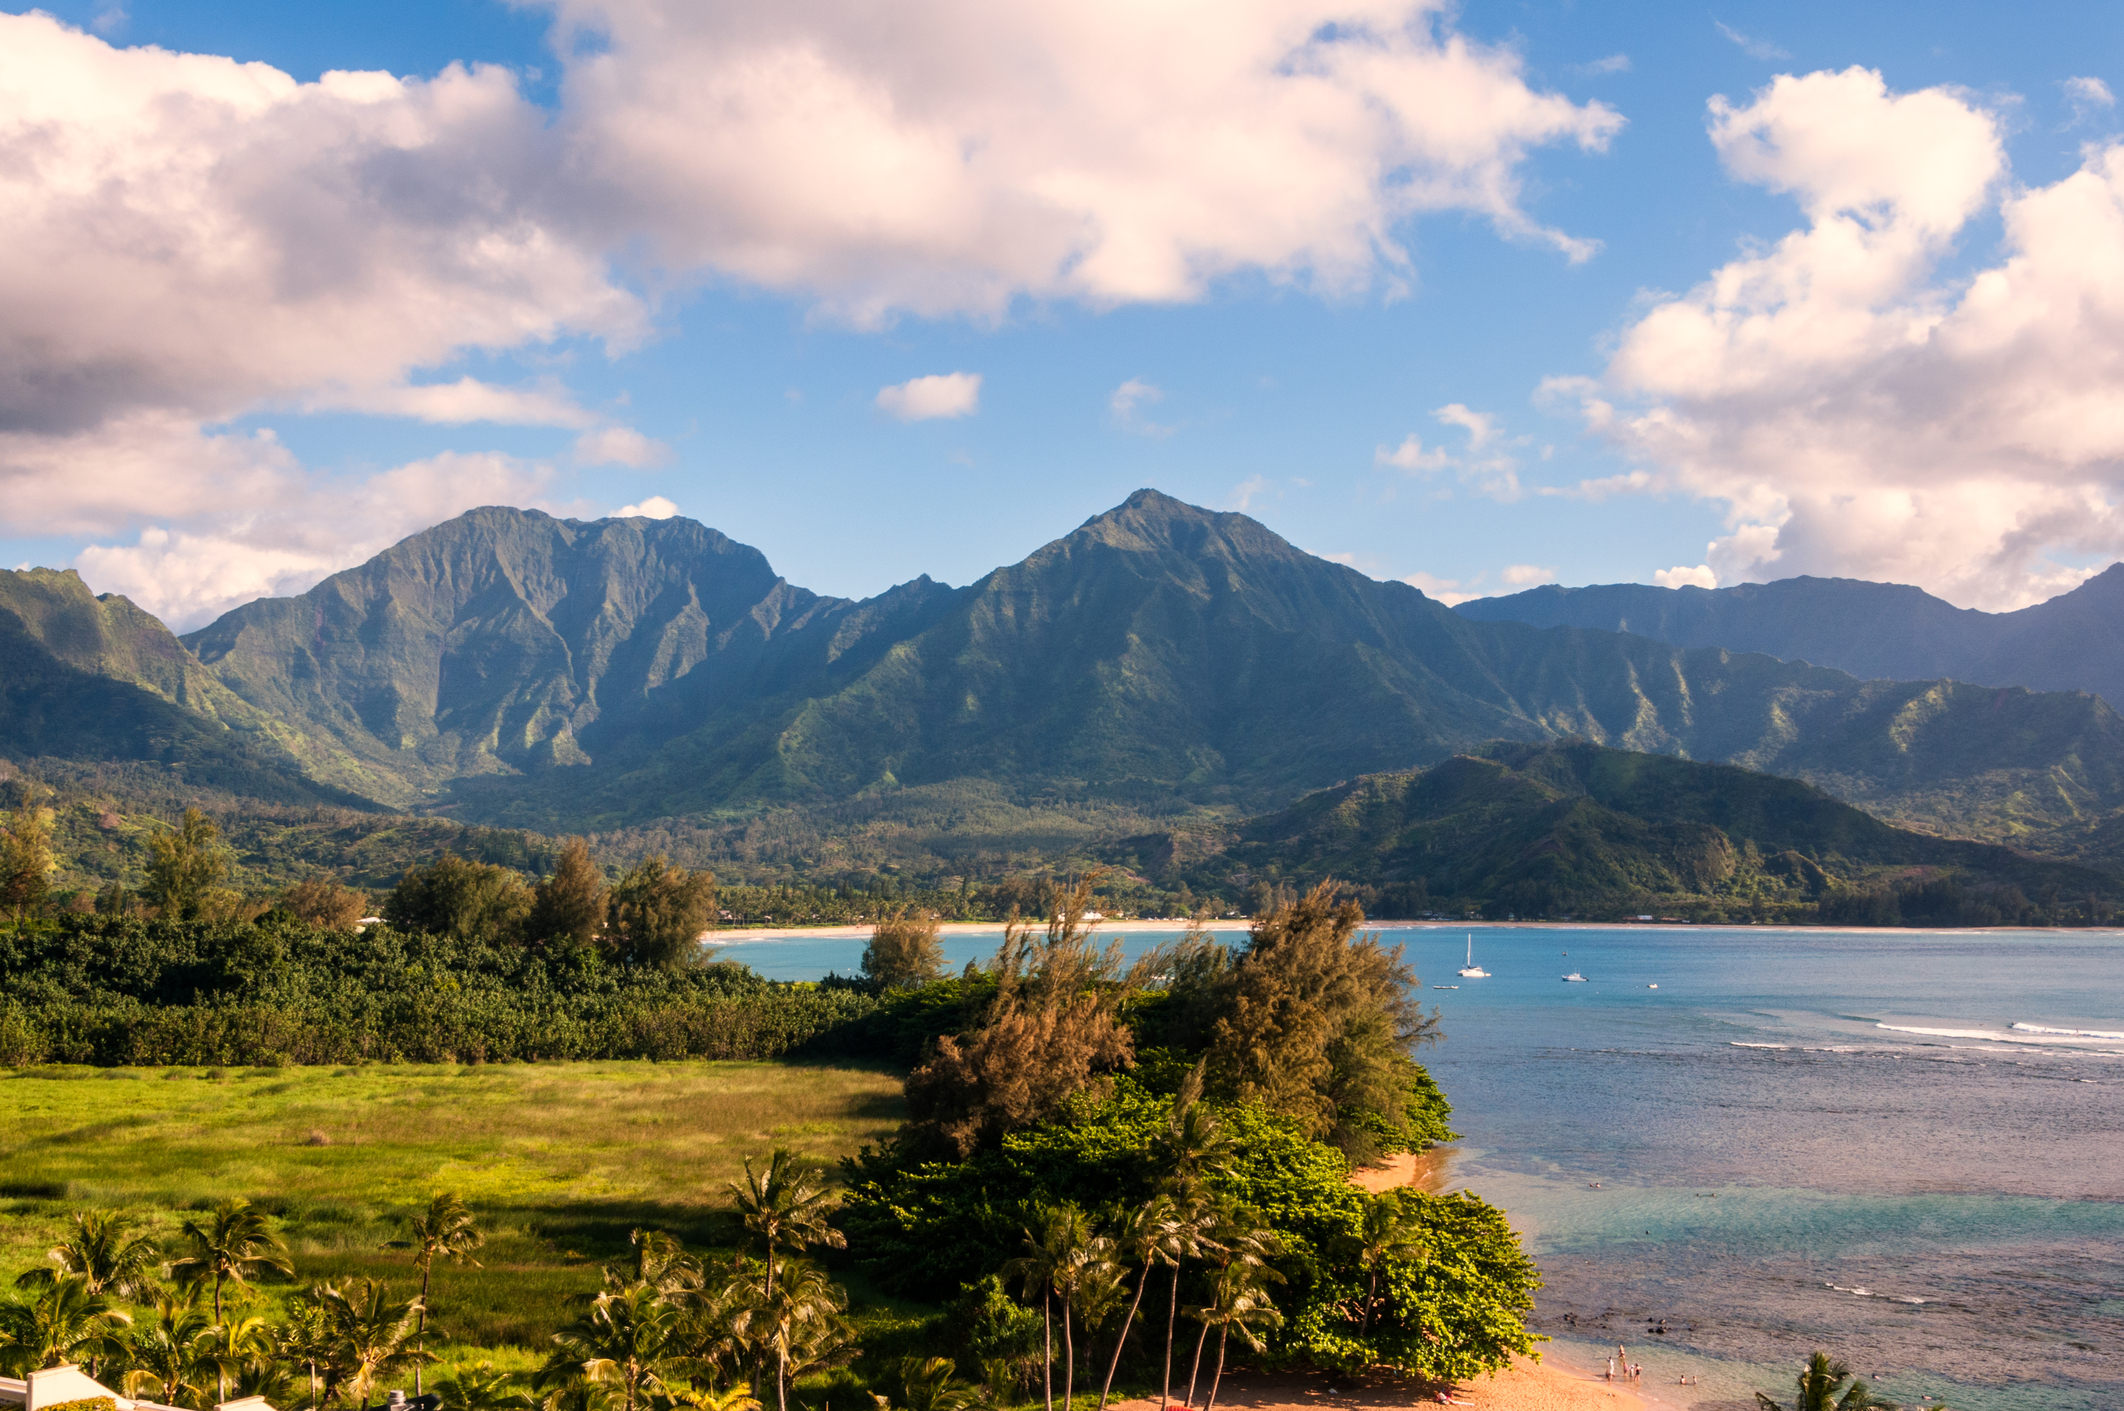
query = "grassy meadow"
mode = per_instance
[{"x": 559, "y": 1160}]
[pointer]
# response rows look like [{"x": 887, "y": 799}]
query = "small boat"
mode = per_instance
[
  {"x": 1575, "y": 978},
  {"x": 1445, "y": 987},
  {"x": 1472, "y": 971}
]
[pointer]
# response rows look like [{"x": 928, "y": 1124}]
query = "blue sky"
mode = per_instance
[{"x": 256, "y": 434}]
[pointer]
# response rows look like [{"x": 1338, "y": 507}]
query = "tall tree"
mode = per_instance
[
  {"x": 1239, "y": 1302},
  {"x": 26, "y": 859},
  {"x": 324, "y": 903},
  {"x": 905, "y": 952},
  {"x": 1151, "y": 1235},
  {"x": 184, "y": 865},
  {"x": 1052, "y": 1031},
  {"x": 108, "y": 1251},
  {"x": 1320, "y": 1023},
  {"x": 233, "y": 1244},
  {"x": 446, "y": 1230},
  {"x": 657, "y": 913},
  {"x": 460, "y": 899},
  {"x": 1066, "y": 1259},
  {"x": 1237, "y": 1239},
  {"x": 786, "y": 1208},
  {"x": 568, "y": 905}
]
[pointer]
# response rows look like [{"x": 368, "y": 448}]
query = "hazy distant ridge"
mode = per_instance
[{"x": 2074, "y": 642}]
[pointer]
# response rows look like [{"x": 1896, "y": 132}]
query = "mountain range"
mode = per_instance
[
  {"x": 522, "y": 670},
  {"x": 2073, "y": 642}
]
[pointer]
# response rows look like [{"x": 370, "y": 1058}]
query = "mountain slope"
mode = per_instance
[
  {"x": 1575, "y": 828},
  {"x": 2074, "y": 642},
  {"x": 1164, "y": 655},
  {"x": 506, "y": 641},
  {"x": 91, "y": 679}
]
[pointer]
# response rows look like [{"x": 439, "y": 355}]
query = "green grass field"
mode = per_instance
[{"x": 560, "y": 1161}]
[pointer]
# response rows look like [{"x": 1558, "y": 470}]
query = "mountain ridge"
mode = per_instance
[{"x": 1893, "y": 631}]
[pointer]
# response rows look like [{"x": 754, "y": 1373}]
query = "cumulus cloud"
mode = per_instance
[
  {"x": 248, "y": 522},
  {"x": 620, "y": 445},
  {"x": 1857, "y": 412},
  {"x": 948, "y": 157},
  {"x": 1484, "y": 467},
  {"x": 186, "y": 239},
  {"x": 1683, "y": 576},
  {"x": 1527, "y": 575},
  {"x": 945, "y": 395},
  {"x": 655, "y": 507}
]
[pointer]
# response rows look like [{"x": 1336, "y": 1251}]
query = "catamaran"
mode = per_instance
[{"x": 1471, "y": 970}]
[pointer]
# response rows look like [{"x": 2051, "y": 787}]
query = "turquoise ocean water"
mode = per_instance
[{"x": 1905, "y": 1146}]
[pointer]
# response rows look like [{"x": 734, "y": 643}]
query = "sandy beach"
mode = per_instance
[{"x": 1526, "y": 1386}]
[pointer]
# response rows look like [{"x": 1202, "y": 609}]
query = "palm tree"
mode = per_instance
[
  {"x": 623, "y": 1344},
  {"x": 1067, "y": 1260},
  {"x": 1149, "y": 1236},
  {"x": 786, "y": 1207},
  {"x": 243, "y": 1349},
  {"x": 1820, "y": 1381},
  {"x": 449, "y": 1231},
  {"x": 306, "y": 1336},
  {"x": 1238, "y": 1303},
  {"x": 366, "y": 1334},
  {"x": 233, "y": 1245},
  {"x": 173, "y": 1357},
  {"x": 661, "y": 1263},
  {"x": 482, "y": 1388},
  {"x": 1386, "y": 1234},
  {"x": 738, "y": 1398},
  {"x": 1238, "y": 1239},
  {"x": 800, "y": 1323},
  {"x": 67, "y": 1323},
  {"x": 926, "y": 1384},
  {"x": 108, "y": 1251},
  {"x": 1195, "y": 1220}
]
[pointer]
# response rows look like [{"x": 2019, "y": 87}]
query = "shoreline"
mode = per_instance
[{"x": 862, "y": 930}]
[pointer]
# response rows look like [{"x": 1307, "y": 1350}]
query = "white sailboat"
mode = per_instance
[
  {"x": 1575, "y": 978},
  {"x": 1471, "y": 970}
]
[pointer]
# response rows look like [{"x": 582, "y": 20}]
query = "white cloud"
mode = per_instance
[
  {"x": 1754, "y": 48},
  {"x": 948, "y": 157},
  {"x": 655, "y": 507},
  {"x": 189, "y": 234},
  {"x": 1487, "y": 471},
  {"x": 1855, "y": 412},
  {"x": 1411, "y": 456},
  {"x": 1527, "y": 575},
  {"x": 1614, "y": 63},
  {"x": 1683, "y": 576},
  {"x": 2086, "y": 97},
  {"x": 1247, "y": 491},
  {"x": 946, "y": 395},
  {"x": 245, "y": 520},
  {"x": 1450, "y": 591},
  {"x": 459, "y": 402},
  {"x": 620, "y": 445},
  {"x": 1129, "y": 398}
]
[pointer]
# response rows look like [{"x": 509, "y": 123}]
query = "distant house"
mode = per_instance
[{"x": 66, "y": 1384}]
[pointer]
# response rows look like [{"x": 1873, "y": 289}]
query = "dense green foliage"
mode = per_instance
[
  {"x": 1575, "y": 830},
  {"x": 928, "y": 1228},
  {"x": 123, "y": 990}
]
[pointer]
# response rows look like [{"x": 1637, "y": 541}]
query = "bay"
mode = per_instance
[{"x": 1904, "y": 1146}]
